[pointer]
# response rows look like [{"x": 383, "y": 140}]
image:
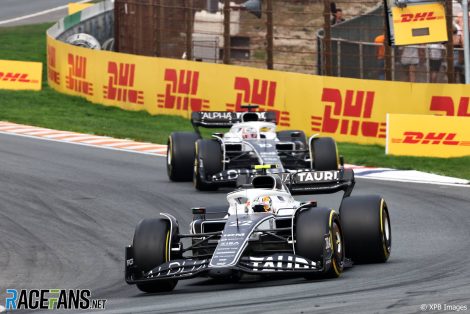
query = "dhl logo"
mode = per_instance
[
  {"x": 16, "y": 77},
  {"x": 257, "y": 92},
  {"x": 433, "y": 138},
  {"x": 120, "y": 83},
  {"x": 52, "y": 74},
  {"x": 418, "y": 17},
  {"x": 181, "y": 91},
  {"x": 76, "y": 78},
  {"x": 345, "y": 113},
  {"x": 446, "y": 104}
]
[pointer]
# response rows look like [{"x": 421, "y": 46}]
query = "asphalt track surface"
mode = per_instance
[
  {"x": 67, "y": 212},
  {"x": 10, "y": 9}
]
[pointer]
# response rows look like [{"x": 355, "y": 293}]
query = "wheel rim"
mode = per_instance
[
  {"x": 196, "y": 166},
  {"x": 338, "y": 251},
  {"x": 168, "y": 156},
  {"x": 337, "y": 242},
  {"x": 387, "y": 234}
]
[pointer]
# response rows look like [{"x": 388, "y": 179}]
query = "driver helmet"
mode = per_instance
[
  {"x": 249, "y": 133},
  {"x": 263, "y": 204}
]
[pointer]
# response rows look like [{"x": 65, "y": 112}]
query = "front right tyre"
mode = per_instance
[
  {"x": 180, "y": 155},
  {"x": 207, "y": 162},
  {"x": 324, "y": 154}
]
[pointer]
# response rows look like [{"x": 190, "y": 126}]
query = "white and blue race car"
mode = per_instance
[
  {"x": 251, "y": 140},
  {"x": 264, "y": 230}
]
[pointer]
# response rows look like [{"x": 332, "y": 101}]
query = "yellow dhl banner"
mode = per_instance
[
  {"x": 17, "y": 75},
  {"x": 419, "y": 23},
  {"x": 75, "y": 7},
  {"x": 428, "y": 135},
  {"x": 350, "y": 110}
]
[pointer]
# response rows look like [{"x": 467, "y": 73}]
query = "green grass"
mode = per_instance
[{"x": 50, "y": 109}]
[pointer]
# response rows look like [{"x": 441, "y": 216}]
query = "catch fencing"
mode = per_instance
[{"x": 295, "y": 36}]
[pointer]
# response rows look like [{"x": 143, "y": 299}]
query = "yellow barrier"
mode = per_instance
[
  {"x": 75, "y": 7},
  {"x": 18, "y": 75},
  {"x": 427, "y": 135},
  {"x": 349, "y": 110}
]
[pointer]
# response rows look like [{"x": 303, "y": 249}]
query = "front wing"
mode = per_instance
[{"x": 189, "y": 268}]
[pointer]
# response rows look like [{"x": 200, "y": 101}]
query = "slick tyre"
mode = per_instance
[
  {"x": 286, "y": 136},
  {"x": 324, "y": 154},
  {"x": 151, "y": 246},
  {"x": 207, "y": 161},
  {"x": 366, "y": 228},
  {"x": 180, "y": 155},
  {"x": 311, "y": 227}
]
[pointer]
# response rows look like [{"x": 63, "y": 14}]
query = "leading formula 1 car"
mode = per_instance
[
  {"x": 251, "y": 140},
  {"x": 264, "y": 230}
]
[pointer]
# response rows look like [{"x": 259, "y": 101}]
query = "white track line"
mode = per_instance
[
  {"x": 412, "y": 181},
  {"x": 25, "y": 17}
]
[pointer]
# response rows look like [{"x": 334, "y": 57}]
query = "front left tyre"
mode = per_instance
[
  {"x": 151, "y": 247},
  {"x": 312, "y": 224},
  {"x": 366, "y": 227}
]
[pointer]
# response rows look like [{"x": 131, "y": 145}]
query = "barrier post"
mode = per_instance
[
  {"x": 466, "y": 43},
  {"x": 388, "y": 55},
  {"x": 159, "y": 26},
  {"x": 189, "y": 29},
  {"x": 327, "y": 38},
  {"x": 450, "y": 44},
  {"x": 117, "y": 11},
  {"x": 269, "y": 36},
  {"x": 227, "y": 31}
]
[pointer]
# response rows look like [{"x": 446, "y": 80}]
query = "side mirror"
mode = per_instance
[{"x": 199, "y": 213}]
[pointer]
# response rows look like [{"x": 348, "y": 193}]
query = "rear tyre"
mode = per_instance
[
  {"x": 208, "y": 161},
  {"x": 311, "y": 226},
  {"x": 151, "y": 246},
  {"x": 366, "y": 228},
  {"x": 180, "y": 155},
  {"x": 324, "y": 154}
]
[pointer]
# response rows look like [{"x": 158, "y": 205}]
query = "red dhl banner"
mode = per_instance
[
  {"x": 19, "y": 75},
  {"x": 346, "y": 109},
  {"x": 428, "y": 135}
]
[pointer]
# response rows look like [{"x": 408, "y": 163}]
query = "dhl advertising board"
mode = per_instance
[
  {"x": 416, "y": 23},
  {"x": 427, "y": 135},
  {"x": 349, "y": 110},
  {"x": 19, "y": 75}
]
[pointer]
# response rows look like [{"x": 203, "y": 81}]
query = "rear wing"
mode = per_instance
[
  {"x": 225, "y": 119},
  {"x": 320, "y": 182}
]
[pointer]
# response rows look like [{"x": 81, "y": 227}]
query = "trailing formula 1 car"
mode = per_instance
[
  {"x": 264, "y": 230},
  {"x": 251, "y": 140}
]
